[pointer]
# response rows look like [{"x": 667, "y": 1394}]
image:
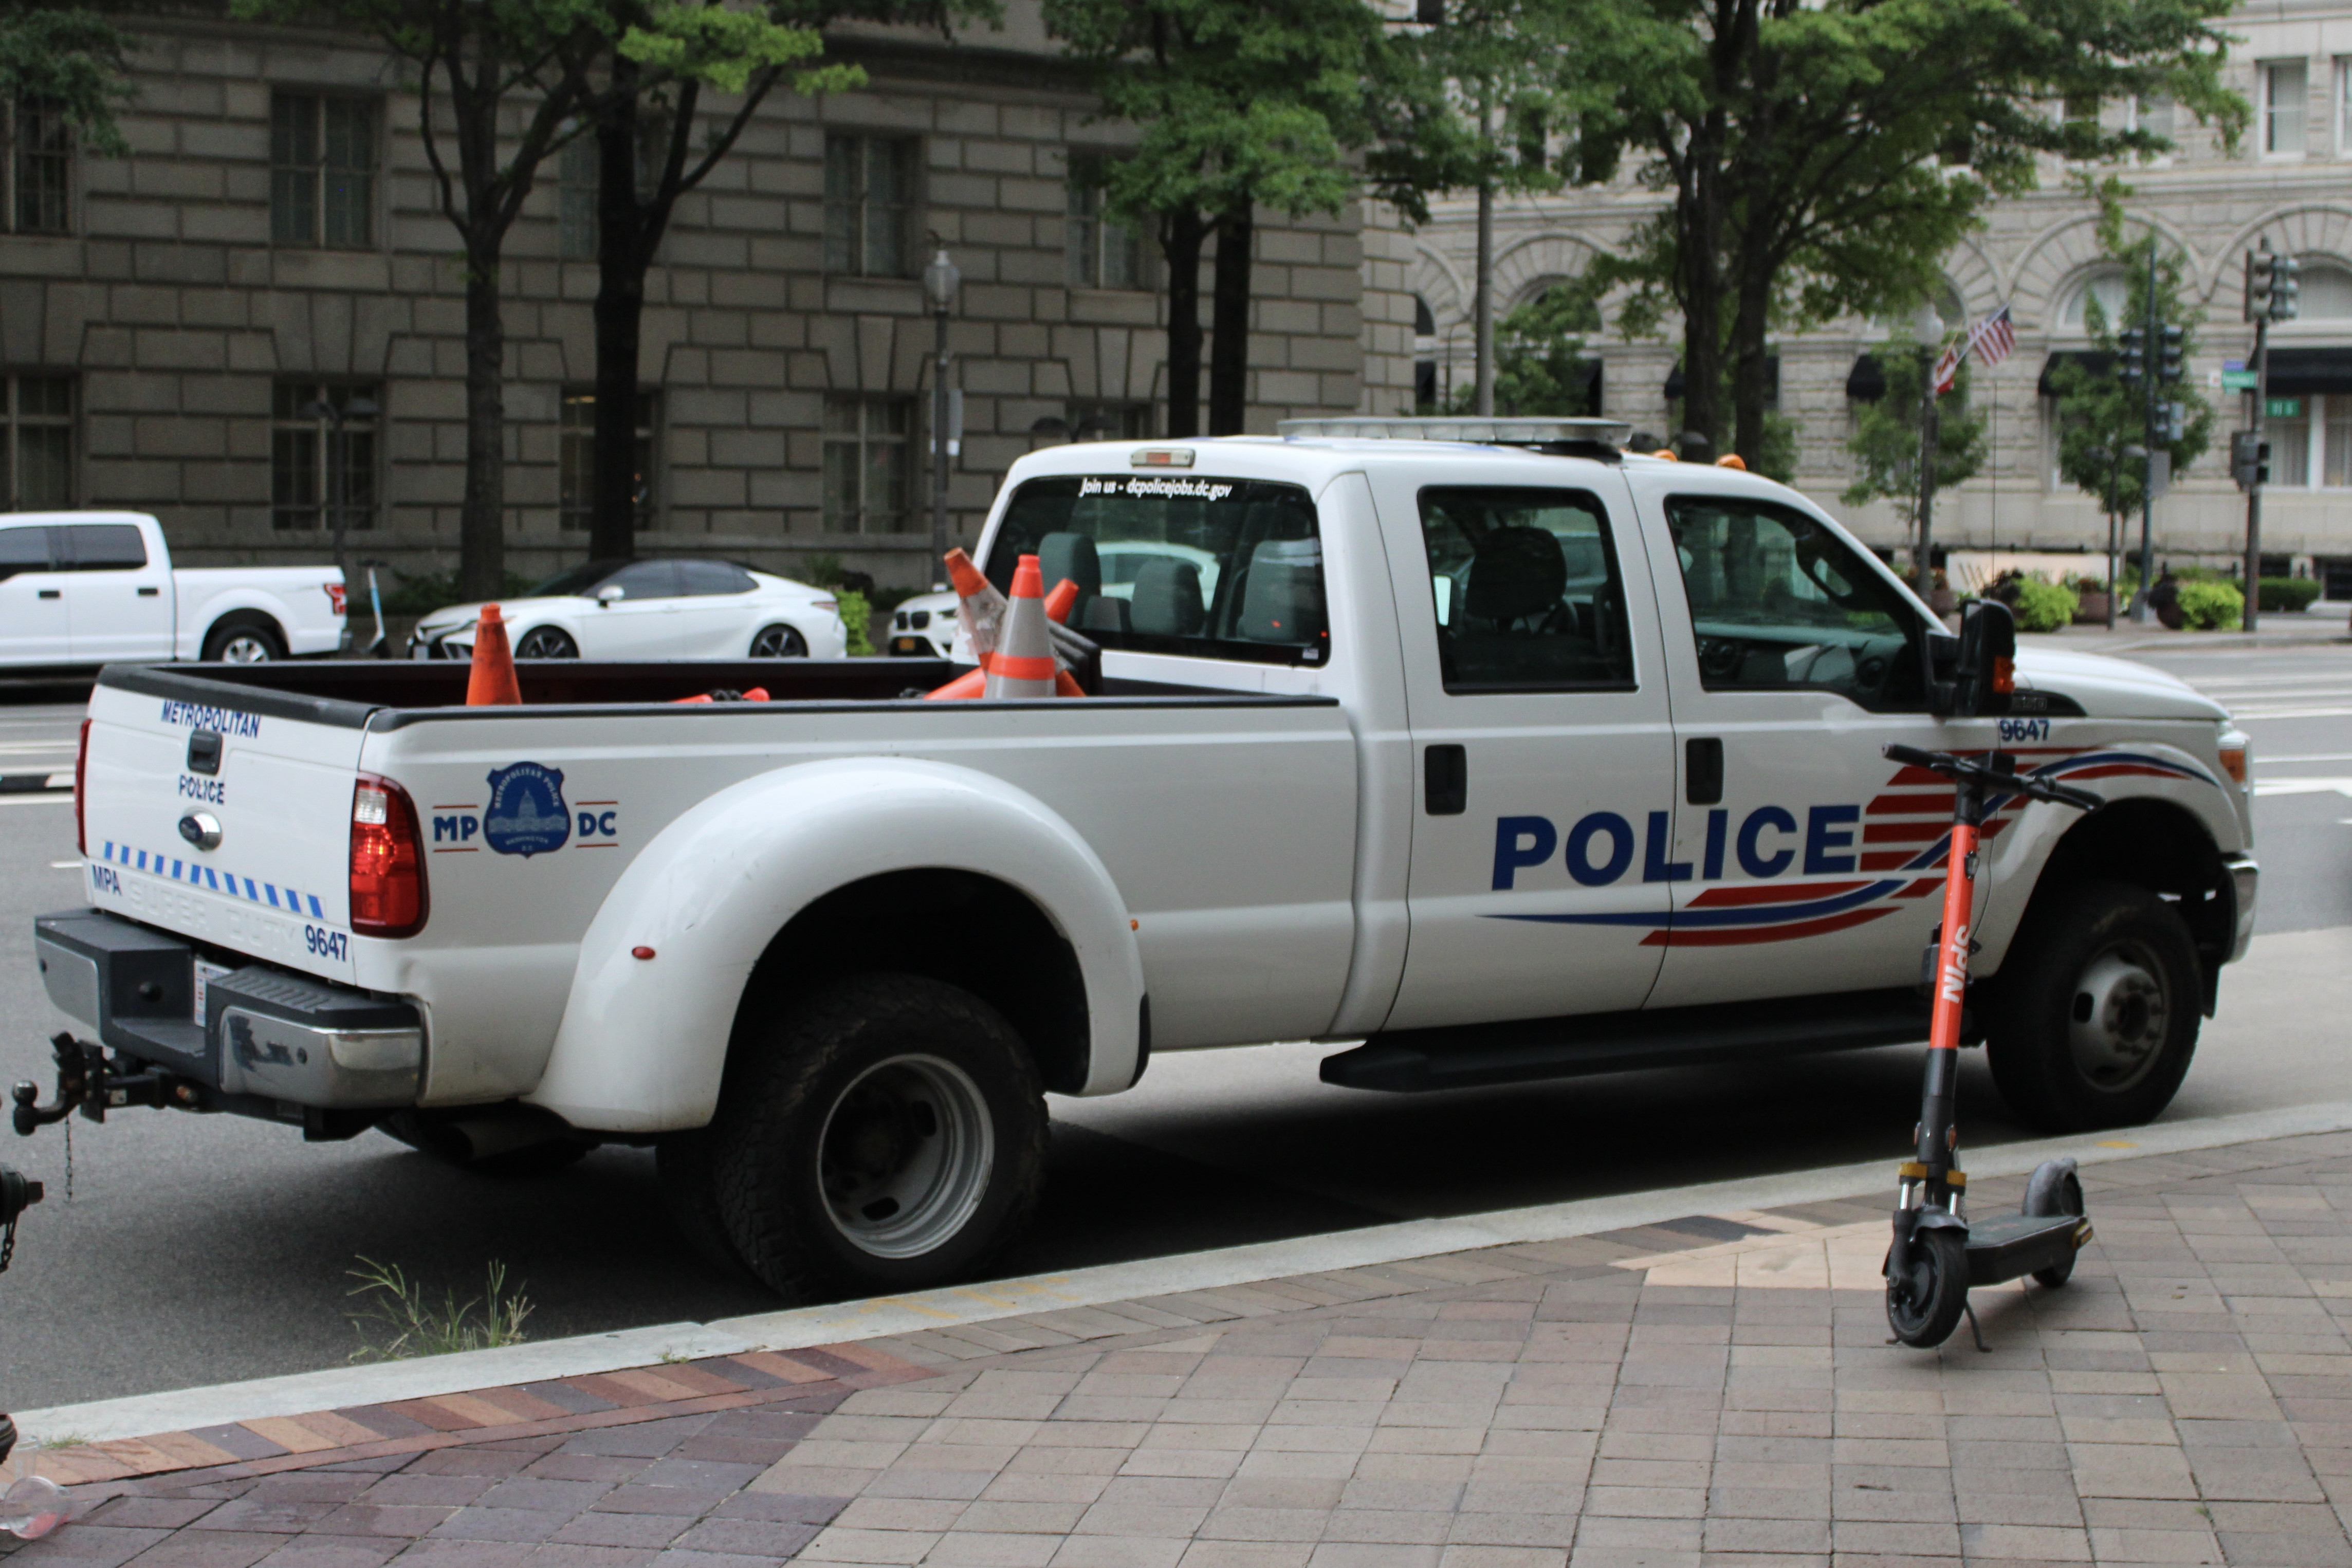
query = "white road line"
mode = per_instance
[{"x": 798, "y": 1328}]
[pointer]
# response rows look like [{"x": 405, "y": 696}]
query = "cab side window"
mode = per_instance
[
  {"x": 106, "y": 546},
  {"x": 24, "y": 549},
  {"x": 1779, "y": 602},
  {"x": 1528, "y": 594}
]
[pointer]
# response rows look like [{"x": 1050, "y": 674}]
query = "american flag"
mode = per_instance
[{"x": 1991, "y": 339}]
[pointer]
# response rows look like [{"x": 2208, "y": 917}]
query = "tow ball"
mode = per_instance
[
  {"x": 87, "y": 1083},
  {"x": 1937, "y": 1252}
]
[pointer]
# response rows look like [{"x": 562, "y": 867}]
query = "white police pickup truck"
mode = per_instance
[{"x": 1506, "y": 761}]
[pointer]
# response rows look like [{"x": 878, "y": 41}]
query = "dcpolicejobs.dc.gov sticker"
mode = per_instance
[{"x": 527, "y": 815}]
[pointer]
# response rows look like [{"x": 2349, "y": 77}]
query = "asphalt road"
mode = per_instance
[{"x": 198, "y": 1250}]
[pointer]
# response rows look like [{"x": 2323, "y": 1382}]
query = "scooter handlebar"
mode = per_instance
[{"x": 2024, "y": 784}]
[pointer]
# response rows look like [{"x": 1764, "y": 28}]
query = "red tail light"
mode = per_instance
[
  {"x": 387, "y": 861},
  {"x": 81, "y": 794},
  {"x": 336, "y": 593}
]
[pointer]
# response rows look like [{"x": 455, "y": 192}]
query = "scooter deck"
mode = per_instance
[{"x": 2010, "y": 1246}]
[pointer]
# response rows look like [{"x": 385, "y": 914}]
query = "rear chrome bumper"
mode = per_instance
[
  {"x": 2246, "y": 882},
  {"x": 265, "y": 1034}
]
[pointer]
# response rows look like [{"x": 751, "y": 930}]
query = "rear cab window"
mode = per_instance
[{"x": 1215, "y": 569}]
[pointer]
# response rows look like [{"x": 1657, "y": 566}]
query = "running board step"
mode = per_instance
[{"x": 1529, "y": 1051}]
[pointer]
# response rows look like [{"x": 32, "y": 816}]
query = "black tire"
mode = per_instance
[
  {"x": 2093, "y": 1020},
  {"x": 779, "y": 642},
  {"x": 683, "y": 1165},
  {"x": 437, "y": 1141},
  {"x": 244, "y": 637},
  {"x": 1925, "y": 1307},
  {"x": 546, "y": 642},
  {"x": 2066, "y": 1199},
  {"x": 887, "y": 1133}
]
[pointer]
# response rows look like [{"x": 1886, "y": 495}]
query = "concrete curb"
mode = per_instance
[{"x": 850, "y": 1321}]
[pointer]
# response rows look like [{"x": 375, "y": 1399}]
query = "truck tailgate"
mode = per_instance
[{"x": 279, "y": 786}]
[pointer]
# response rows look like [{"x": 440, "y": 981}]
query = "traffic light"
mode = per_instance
[
  {"x": 2286, "y": 289},
  {"x": 2261, "y": 279},
  {"x": 2250, "y": 459},
  {"x": 2168, "y": 423},
  {"x": 2169, "y": 344},
  {"x": 2131, "y": 355}
]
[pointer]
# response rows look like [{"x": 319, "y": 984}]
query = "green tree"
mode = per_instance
[
  {"x": 1820, "y": 159},
  {"x": 70, "y": 57},
  {"x": 2098, "y": 414},
  {"x": 1239, "y": 106},
  {"x": 1471, "y": 106},
  {"x": 492, "y": 104},
  {"x": 640, "y": 70},
  {"x": 1885, "y": 440},
  {"x": 1540, "y": 366}
]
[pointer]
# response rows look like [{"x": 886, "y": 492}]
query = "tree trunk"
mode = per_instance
[
  {"x": 1749, "y": 381},
  {"x": 1483, "y": 311},
  {"x": 619, "y": 314},
  {"x": 1228, "y": 345},
  {"x": 1700, "y": 243},
  {"x": 1181, "y": 242},
  {"x": 481, "y": 519}
]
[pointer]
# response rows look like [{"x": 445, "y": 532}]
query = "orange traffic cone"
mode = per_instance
[
  {"x": 492, "y": 680},
  {"x": 1023, "y": 664},
  {"x": 982, "y": 609}
]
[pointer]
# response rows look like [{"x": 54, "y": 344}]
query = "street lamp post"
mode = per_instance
[
  {"x": 940, "y": 280},
  {"x": 1929, "y": 329},
  {"x": 338, "y": 465}
]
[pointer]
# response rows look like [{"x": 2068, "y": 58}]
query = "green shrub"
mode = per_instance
[
  {"x": 2210, "y": 606},
  {"x": 856, "y": 618},
  {"x": 2043, "y": 606},
  {"x": 2293, "y": 594}
]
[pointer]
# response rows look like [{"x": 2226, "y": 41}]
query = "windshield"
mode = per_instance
[
  {"x": 577, "y": 580},
  {"x": 1220, "y": 568}
]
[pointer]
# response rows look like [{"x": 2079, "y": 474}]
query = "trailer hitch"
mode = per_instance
[{"x": 87, "y": 1082}]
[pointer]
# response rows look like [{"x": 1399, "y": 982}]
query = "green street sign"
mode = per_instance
[
  {"x": 2283, "y": 408},
  {"x": 2238, "y": 381}
]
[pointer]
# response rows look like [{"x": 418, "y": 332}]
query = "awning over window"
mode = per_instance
[
  {"x": 2097, "y": 362},
  {"x": 1866, "y": 382},
  {"x": 2310, "y": 371}
]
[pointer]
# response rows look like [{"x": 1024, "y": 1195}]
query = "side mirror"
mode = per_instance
[
  {"x": 609, "y": 593},
  {"x": 1984, "y": 675}
]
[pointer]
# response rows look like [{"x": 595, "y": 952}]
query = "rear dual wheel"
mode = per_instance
[{"x": 884, "y": 1134}]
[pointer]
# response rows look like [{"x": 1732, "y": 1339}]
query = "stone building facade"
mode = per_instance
[
  {"x": 2289, "y": 180},
  {"x": 172, "y": 321}
]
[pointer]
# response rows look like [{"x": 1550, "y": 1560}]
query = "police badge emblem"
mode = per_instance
[{"x": 527, "y": 815}]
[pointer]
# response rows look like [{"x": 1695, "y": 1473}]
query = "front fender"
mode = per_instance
[{"x": 642, "y": 1043}]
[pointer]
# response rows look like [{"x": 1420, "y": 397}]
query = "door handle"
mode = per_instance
[
  {"x": 50, "y": 593},
  {"x": 150, "y": 592},
  {"x": 1445, "y": 779},
  {"x": 1703, "y": 771}
]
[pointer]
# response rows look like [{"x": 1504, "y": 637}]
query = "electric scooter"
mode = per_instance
[{"x": 1937, "y": 1253}]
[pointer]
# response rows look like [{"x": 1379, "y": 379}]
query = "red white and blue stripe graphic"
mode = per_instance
[
  {"x": 157, "y": 864},
  {"x": 1906, "y": 837}
]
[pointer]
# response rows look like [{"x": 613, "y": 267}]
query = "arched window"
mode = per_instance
[
  {"x": 2326, "y": 292},
  {"x": 1424, "y": 320},
  {"x": 2106, "y": 285}
]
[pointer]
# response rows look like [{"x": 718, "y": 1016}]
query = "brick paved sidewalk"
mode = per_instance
[{"x": 1713, "y": 1391}]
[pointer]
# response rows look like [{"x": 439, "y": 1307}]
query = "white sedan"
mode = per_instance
[{"x": 669, "y": 608}]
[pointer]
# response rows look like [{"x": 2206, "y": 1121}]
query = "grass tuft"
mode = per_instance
[{"x": 400, "y": 1321}]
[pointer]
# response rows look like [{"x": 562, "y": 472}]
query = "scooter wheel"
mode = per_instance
[
  {"x": 2061, "y": 1195},
  {"x": 1923, "y": 1304}
]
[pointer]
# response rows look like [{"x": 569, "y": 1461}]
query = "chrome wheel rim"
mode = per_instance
[
  {"x": 2118, "y": 1017},
  {"x": 903, "y": 1158},
  {"x": 245, "y": 648},
  {"x": 779, "y": 642}
]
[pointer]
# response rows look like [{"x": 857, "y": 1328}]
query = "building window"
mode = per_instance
[
  {"x": 575, "y": 458},
  {"x": 36, "y": 443},
  {"x": 2335, "y": 415},
  {"x": 576, "y": 183},
  {"x": 869, "y": 205},
  {"x": 322, "y": 157},
  {"x": 39, "y": 146},
  {"x": 1099, "y": 421},
  {"x": 2286, "y": 106},
  {"x": 1103, "y": 254},
  {"x": 2343, "y": 115},
  {"x": 312, "y": 466},
  {"x": 2153, "y": 115},
  {"x": 868, "y": 455}
]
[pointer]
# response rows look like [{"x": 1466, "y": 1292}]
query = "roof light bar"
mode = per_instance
[{"x": 1494, "y": 431}]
